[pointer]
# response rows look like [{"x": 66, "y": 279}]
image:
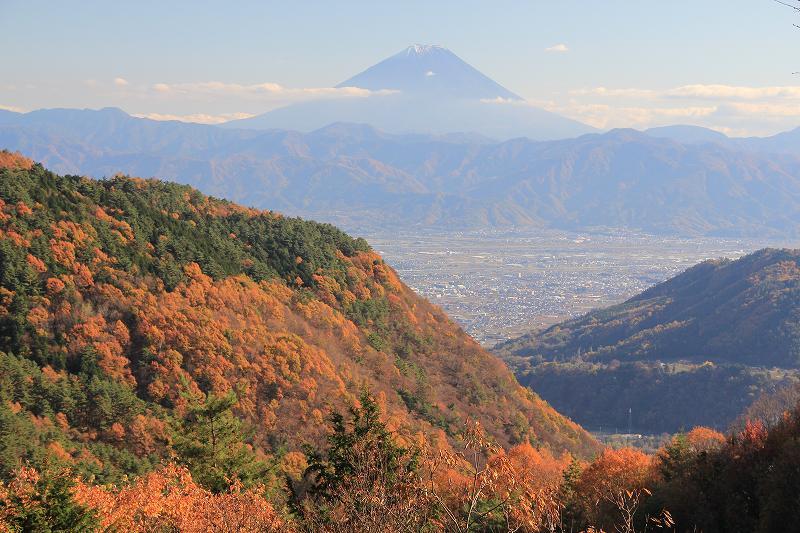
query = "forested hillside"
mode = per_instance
[
  {"x": 696, "y": 349},
  {"x": 128, "y": 304},
  {"x": 174, "y": 362}
]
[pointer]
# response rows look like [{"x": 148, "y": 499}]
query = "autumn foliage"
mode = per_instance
[
  {"x": 14, "y": 160},
  {"x": 129, "y": 306},
  {"x": 169, "y": 361},
  {"x": 168, "y": 499}
]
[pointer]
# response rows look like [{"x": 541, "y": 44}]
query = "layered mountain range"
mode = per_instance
[{"x": 356, "y": 175}]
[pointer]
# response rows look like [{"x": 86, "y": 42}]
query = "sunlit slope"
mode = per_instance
[{"x": 150, "y": 289}]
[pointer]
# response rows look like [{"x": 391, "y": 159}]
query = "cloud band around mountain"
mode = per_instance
[{"x": 258, "y": 90}]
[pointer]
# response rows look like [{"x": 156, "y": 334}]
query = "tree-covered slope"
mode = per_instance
[
  {"x": 744, "y": 311},
  {"x": 123, "y": 301},
  {"x": 698, "y": 348}
]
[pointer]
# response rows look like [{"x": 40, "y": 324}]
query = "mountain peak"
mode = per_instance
[
  {"x": 422, "y": 49},
  {"x": 429, "y": 71}
]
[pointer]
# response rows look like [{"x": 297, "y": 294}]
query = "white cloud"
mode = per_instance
[
  {"x": 766, "y": 109},
  {"x": 699, "y": 91},
  {"x": 733, "y": 92},
  {"x": 430, "y": 73},
  {"x": 557, "y": 48},
  {"x": 261, "y": 90},
  {"x": 613, "y": 93},
  {"x": 739, "y": 110},
  {"x": 121, "y": 82},
  {"x": 200, "y": 118},
  {"x": 11, "y": 108}
]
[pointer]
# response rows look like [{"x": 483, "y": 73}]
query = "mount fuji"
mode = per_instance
[
  {"x": 429, "y": 71},
  {"x": 425, "y": 89}
]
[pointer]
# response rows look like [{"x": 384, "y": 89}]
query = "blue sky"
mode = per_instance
[{"x": 723, "y": 64}]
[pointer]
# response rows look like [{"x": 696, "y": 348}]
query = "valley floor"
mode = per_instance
[{"x": 501, "y": 284}]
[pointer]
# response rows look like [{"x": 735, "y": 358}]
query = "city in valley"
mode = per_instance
[{"x": 501, "y": 284}]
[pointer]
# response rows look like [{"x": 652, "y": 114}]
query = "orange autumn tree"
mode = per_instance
[
  {"x": 532, "y": 481},
  {"x": 43, "y": 501},
  {"x": 480, "y": 486},
  {"x": 170, "y": 500},
  {"x": 612, "y": 488},
  {"x": 703, "y": 439}
]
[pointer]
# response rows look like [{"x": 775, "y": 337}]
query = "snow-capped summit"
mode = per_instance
[
  {"x": 420, "y": 49},
  {"x": 429, "y": 70}
]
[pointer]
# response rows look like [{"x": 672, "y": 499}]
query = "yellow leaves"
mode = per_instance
[
  {"x": 347, "y": 298},
  {"x": 173, "y": 358}
]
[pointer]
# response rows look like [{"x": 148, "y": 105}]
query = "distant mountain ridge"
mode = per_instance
[
  {"x": 355, "y": 175},
  {"x": 787, "y": 142},
  {"x": 696, "y": 349},
  {"x": 687, "y": 134}
]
